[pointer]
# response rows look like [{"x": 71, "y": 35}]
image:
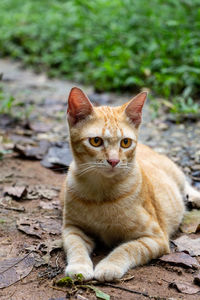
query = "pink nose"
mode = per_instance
[{"x": 113, "y": 162}]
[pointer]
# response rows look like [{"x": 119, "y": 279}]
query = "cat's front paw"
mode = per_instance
[
  {"x": 84, "y": 269},
  {"x": 106, "y": 271}
]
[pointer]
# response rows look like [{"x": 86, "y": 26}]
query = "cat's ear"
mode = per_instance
[
  {"x": 134, "y": 108},
  {"x": 79, "y": 106}
]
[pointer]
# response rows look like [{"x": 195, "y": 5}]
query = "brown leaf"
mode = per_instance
[
  {"x": 39, "y": 126},
  {"x": 42, "y": 192},
  {"x": 46, "y": 248},
  {"x": 30, "y": 227},
  {"x": 180, "y": 258},
  {"x": 47, "y": 193},
  {"x": 185, "y": 287},
  {"x": 15, "y": 191},
  {"x": 186, "y": 243},
  {"x": 50, "y": 205},
  {"x": 49, "y": 245},
  {"x": 58, "y": 157},
  {"x": 38, "y": 227},
  {"x": 14, "y": 269},
  {"x": 33, "y": 152},
  {"x": 191, "y": 222},
  {"x": 51, "y": 226}
]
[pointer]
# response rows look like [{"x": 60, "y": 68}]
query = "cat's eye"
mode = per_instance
[
  {"x": 96, "y": 141},
  {"x": 126, "y": 143}
]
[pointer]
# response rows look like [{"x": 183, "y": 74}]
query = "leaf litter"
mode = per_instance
[
  {"x": 38, "y": 227},
  {"x": 14, "y": 269},
  {"x": 187, "y": 244},
  {"x": 16, "y": 192},
  {"x": 185, "y": 287},
  {"x": 180, "y": 258}
]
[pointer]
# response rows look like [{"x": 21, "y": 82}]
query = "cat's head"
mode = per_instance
[{"x": 103, "y": 139}]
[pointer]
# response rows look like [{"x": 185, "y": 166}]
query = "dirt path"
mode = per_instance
[{"x": 30, "y": 217}]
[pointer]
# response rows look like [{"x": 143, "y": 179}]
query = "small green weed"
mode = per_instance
[
  {"x": 184, "y": 106},
  {"x": 6, "y": 103},
  {"x": 112, "y": 45}
]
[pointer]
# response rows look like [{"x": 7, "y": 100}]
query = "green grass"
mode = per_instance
[{"x": 113, "y": 45}]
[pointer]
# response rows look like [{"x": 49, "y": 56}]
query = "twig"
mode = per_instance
[
  {"x": 12, "y": 208},
  {"x": 126, "y": 289},
  {"x": 57, "y": 288},
  {"x": 127, "y": 278}
]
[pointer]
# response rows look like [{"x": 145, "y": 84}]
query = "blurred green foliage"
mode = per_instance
[{"x": 113, "y": 45}]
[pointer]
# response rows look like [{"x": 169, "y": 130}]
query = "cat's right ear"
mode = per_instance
[{"x": 79, "y": 106}]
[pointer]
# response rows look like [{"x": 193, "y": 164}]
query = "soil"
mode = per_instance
[{"x": 47, "y": 99}]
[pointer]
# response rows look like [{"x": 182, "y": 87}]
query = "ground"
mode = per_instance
[{"x": 30, "y": 214}]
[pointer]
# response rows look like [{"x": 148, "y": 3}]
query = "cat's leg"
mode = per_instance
[
  {"x": 78, "y": 246},
  {"x": 129, "y": 255},
  {"x": 192, "y": 195}
]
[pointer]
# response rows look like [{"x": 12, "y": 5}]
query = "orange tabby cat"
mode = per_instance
[{"x": 117, "y": 190}]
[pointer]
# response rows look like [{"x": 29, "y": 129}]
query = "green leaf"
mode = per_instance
[{"x": 99, "y": 293}]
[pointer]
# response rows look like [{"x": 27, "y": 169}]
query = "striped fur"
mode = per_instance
[{"x": 133, "y": 207}]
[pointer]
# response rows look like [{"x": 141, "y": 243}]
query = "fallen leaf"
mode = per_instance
[
  {"x": 51, "y": 226},
  {"x": 14, "y": 269},
  {"x": 40, "y": 261},
  {"x": 42, "y": 192},
  {"x": 180, "y": 258},
  {"x": 30, "y": 227},
  {"x": 186, "y": 243},
  {"x": 15, "y": 191},
  {"x": 58, "y": 155},
  {"x": 50, "y": 205},
  {"x": 191, "y": 222},
  {"x": 185, "y": 287},
  {"x": 47, "y": 193},
  {"x": 39, "y": 126},
  {"x": 46, "y": 248},
  {"x": 38, "y": 227},
  {"x": 49, "y": 245},
  {"x": 30, "y": 152},
  {"x": 100, "y": 294}
]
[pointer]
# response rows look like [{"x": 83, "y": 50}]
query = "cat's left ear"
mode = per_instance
[
  {"x": 79, "y": 106},
  {"x": 134, "y": 108}
]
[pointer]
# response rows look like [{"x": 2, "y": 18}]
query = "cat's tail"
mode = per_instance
[{"x": 192, "y": 195}]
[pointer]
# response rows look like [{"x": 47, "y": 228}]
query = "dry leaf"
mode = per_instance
[
  {"x": 38, "y": 227},
  {"x": 15, "y": 191},
  {"x": 185, "y": 287},
  {"x": 58, "y": 156},
  {"x": 51, "y": 226},
  {"x": 50, "y": 205},
  {"x": 191, "y": 222},
  {"x": 14, "y": 269},
  {"x": 30, "y": 227},
  {"x": 39, "y": 126},
  {"x": 33, "y": 152},
  {"x": 180, "y": 258},
  {"x": 186, "y": 243}
]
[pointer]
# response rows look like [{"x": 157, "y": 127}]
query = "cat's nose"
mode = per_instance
[{"x": 113, "y": 162}]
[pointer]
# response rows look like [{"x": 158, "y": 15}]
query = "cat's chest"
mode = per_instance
[{"x": 111, "y": 222}]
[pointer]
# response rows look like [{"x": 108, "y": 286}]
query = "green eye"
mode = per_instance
[
  {"x": 126, "y": 143},
  {"x": 96, "y": 141}
]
